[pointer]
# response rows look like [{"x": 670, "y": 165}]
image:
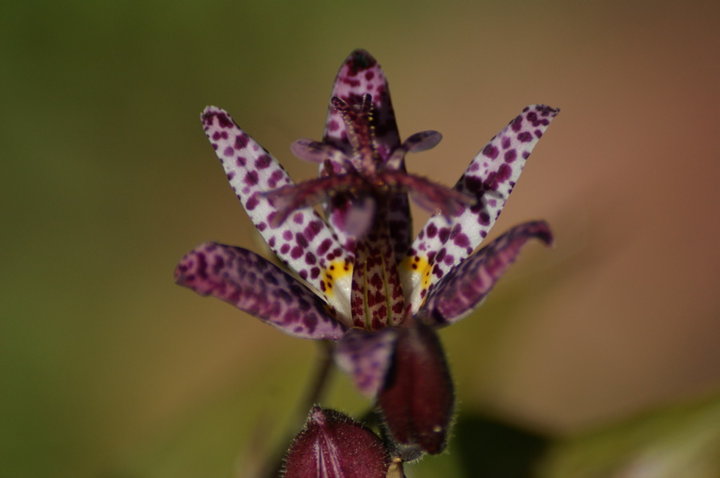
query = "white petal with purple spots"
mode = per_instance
[
  {"x": 359, "y": 75},
  {"x": 462, "y": 289},
  {"x": 303, "y": 241},
  {"x": 490, "y": 178}
]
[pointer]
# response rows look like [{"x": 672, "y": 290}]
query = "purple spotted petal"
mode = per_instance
[
  {"x": 365, "y": 356},
  {"x": 358, "y": 76},
  {"x": 489, "y": 179},
  {"x": 258, "y": 287},
  {"x": 303, "y": 241},
  {"x": 467, "y": 284}
]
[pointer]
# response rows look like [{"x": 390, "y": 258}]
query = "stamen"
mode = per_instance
[
  {"x": 417, "y": 142},
  {"x": 422, "y": 141},
  {"x": 430, "y": 196},
  {"x": 315, "y": 151},
  {"x": 289, "y": 198},
  {"x": 359, "y": 124}
]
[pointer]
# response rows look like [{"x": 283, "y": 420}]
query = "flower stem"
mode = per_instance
[
  {"x": 320, "y": 381},
  {"x": 314, "y": 394}
]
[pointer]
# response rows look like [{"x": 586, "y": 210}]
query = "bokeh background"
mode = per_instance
[{"x": 110, "y": 370}]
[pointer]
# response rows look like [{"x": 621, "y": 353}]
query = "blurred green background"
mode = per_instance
[{"x": 109, "y": 370}]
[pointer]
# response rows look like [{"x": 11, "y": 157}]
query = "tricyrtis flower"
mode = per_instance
[{"x": 363, "y": 279}]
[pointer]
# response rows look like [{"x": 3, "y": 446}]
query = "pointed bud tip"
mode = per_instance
[
  {"x": 360, "y": 60},
  {"x": 317, "y": 416}
]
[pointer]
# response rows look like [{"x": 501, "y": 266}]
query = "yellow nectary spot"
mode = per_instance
[
  {"x": 336, "y": 275},
  {"x": 415, "y": 274},
  {"x": 336, "y": 282}
]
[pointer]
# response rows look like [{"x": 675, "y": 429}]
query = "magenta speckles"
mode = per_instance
[
  {"x": 362, "y": 282},
  {"x": 254, "y": 285},
  {"x": 489, "y": 179},
  {"x": 458, "y": 293},
  {"x": 257, "y": 173},
  {"x": 368, "y": 78},
  {"x": 490, "y": 151}
]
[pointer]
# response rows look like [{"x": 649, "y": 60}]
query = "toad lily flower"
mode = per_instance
[{"x": 362, "y": 278}]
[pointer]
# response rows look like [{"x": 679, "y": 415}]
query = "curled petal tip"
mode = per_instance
[
  {"x": 466, "y": 285},
  {"x": 544, "y": 233}
]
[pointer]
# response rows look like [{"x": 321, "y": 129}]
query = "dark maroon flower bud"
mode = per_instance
[
  {"x": 332, "y": 445},
  {"x": 417, "y": 397}
]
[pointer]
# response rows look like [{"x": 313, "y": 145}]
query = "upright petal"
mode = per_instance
[
  {"x": 467, "y": 284},
  {"x": 489, "y": 179},
  {"x": 303, "y": 241},
  {"x": 258, "y": 287},
  {"x": 358, "y": 76}
]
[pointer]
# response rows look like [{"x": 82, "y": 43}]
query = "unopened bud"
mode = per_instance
[
  {"x": 417, "y": 398},
  {"x": 332, "y": 445}
]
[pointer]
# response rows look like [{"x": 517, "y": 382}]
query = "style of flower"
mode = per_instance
[{"x": 363, "y": 280}]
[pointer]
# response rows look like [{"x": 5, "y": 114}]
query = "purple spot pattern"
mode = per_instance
[
  {"x": 257, "y": 174},
  {"x": 361, "y": 74},
  {"x": 489, "y": 179},
  {"x": 376, "y": 296},
  {"x": 365, "y": 357},
  {"x": 304, "y": 241},
  {"x": 258, "y": 287},
  {"x": 460, "y": 291}
]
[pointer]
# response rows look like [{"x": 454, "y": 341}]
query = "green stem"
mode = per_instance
[{"x": 314, "y": 394}]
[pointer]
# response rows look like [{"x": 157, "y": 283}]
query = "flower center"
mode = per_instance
[
  {"x": 376, "y": 297},
  {"x": 360, "y": 187}
]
